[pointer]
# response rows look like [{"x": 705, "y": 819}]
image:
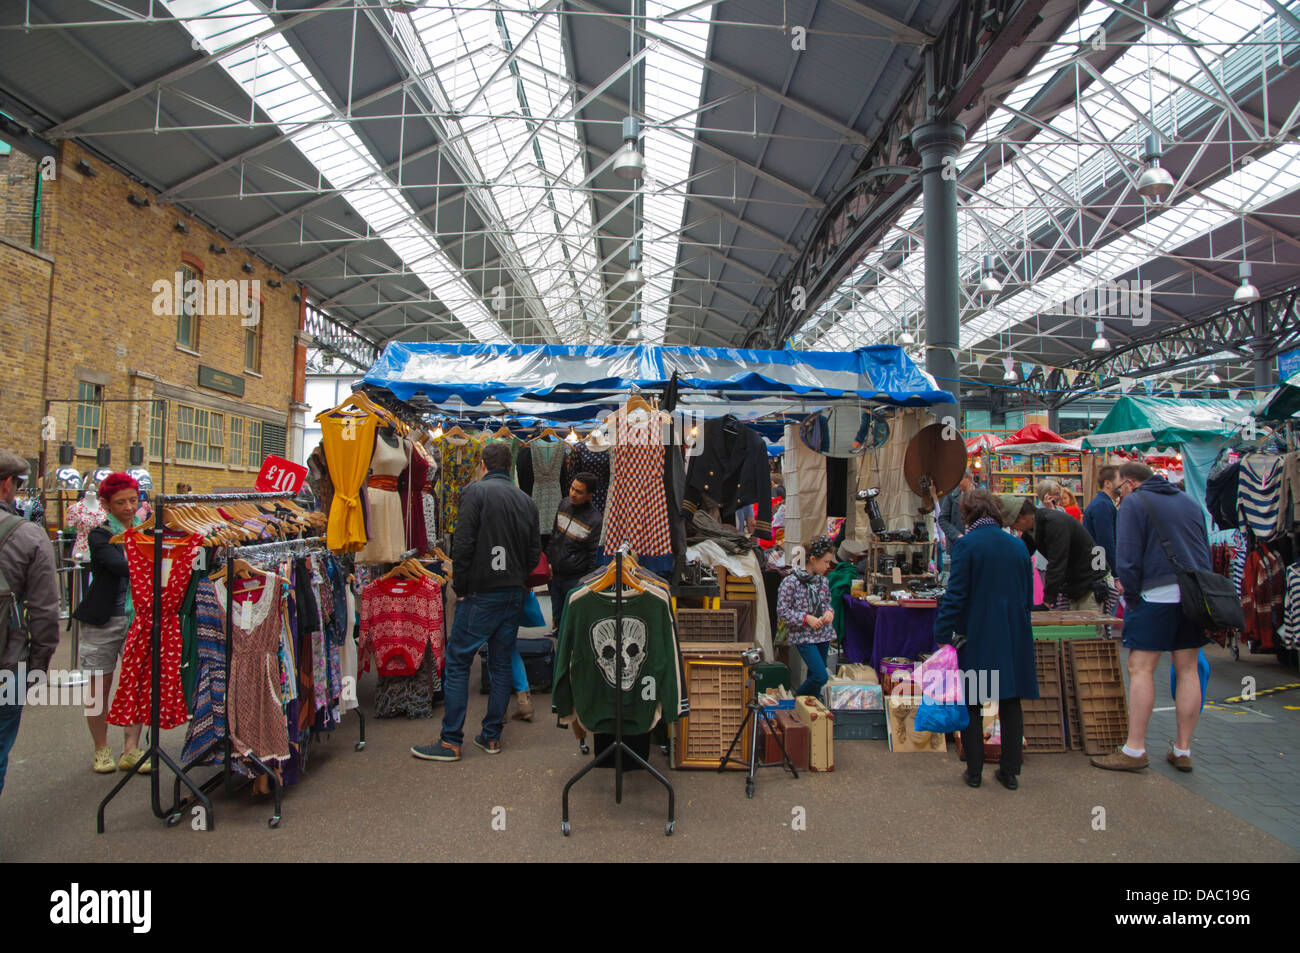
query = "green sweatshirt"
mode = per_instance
[
  {"x": 587, "y": 654},
  {"x": 841, "y": 582}
]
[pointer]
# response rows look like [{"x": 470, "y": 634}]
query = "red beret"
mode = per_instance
[{"x": 116, "y": 483}]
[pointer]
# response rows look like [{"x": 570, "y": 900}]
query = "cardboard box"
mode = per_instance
[
  {"x": 900, "y": 718},
  {"x": 821, "y": 724}
]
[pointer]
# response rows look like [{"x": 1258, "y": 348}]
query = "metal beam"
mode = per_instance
[{"x": 902, "y": 32}]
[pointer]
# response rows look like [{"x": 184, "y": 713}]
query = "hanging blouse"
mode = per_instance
[
  {"x": 580, "y": 458},
  {"x": 349, "y": 440},
  {"x": 387, "y": 531},
  {"x": 1259, "y": 494},
  {"x": 547, "y": 492},
  {"x": 460, "y": 458}
]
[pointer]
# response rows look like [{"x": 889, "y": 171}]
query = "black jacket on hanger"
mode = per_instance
[{"x": 731, "y": 469}]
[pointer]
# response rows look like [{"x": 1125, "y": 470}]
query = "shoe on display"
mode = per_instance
[
  {"x": 1119, "y": 761},
  {"x": 491, "y": 747},
  {"x": 523, "y": 707},
  {"x": 1183, "y": 762},
  {"x": 438, "y": 751},
  {"x": 103, "y": 763},
  {"x": 129, "y": 759}
]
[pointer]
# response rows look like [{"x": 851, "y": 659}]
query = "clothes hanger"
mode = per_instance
[
  {"x": 503, "y": 432},
  {"x": 637, "y": 402}
]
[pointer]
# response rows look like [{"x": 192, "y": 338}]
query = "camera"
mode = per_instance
[
  {"x": 868, "y": 498},
  {"x": 752, "y": 656}
]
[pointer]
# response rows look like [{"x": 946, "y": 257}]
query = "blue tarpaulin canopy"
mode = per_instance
[{"x": 569, "y": 374}]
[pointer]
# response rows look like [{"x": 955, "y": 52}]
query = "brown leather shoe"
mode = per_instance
[
  {"x": 1119, "y": 761},
  {"x": 1183, "y": 762}
]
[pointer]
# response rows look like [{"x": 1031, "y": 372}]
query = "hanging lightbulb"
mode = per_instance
[
  {"x": 635, "y": 276},
  {"x": 1100, "y": 343},
  {"x": 630, "y": 163},
  {"x": 989, "y": 284},
  {"x": 1155, "y": 183},
  {"x": 1213, "y": 378},
  {"x": 634, "y": 333},
  {"x": 1247, "y": 292},
  {"x": 906, "y": 337},
  {"x": 572, "y": 436},
  {"x": 1010, "y": 376}
]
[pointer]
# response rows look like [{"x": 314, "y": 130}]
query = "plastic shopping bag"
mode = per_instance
[{"x": 942, "y": 707}]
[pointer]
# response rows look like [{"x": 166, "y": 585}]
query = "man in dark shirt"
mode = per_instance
[
  {"x": 1099, "y": 517},
  {"x": 575, "y": 539},
  {"x": 1076, "y": 565},
  {"x": 495, "y": 547},
  {"x": 950, "y": 519}
]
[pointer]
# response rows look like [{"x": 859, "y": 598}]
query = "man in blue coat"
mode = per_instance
[
  {"x": 990, "y": 591},
  {"x": 1099, "y": 517}
]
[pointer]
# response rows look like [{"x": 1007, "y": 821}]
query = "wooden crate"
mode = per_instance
[
  {"x": 1071, "y": 702},
  {"x": 1045, "y": 715},
  {"x": 1099, "y": 685},
  {"x": 716, "y": 687},
  {"x": 706, "y": 625}
]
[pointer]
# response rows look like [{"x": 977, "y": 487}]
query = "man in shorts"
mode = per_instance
[{"x": 1153, "y": 618}]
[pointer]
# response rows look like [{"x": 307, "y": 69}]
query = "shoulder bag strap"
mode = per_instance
[{"x": 1155, "y": 521}]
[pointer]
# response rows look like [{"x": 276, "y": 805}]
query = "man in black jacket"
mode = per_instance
[
  {"x": 574, "y": 541},
  {"x": 496, "y": 546},
  {"x": 1076, "y": 565},
  {"x": 950, "y": 518}
]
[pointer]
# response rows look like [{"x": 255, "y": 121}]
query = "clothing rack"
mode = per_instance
[
  {"x": 619, "y": 746},
  {"x": 154, "y": 753},
  {"x": 227, "y": 775}
]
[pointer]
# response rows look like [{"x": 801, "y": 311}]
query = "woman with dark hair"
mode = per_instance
[
  {"x": 804, "y": 603},
  {"x": 990, "y": 591},
  {"x": 105, "y": 616}
]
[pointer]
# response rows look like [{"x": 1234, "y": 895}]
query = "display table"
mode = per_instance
[
  {"x": 873, "y": 632},
  {"x": 1072, "y": 625}
]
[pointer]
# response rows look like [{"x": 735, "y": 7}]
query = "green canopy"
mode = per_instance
[
  {"x": 1283, "y": 402},
  {"x": 1136, "y": 422}
]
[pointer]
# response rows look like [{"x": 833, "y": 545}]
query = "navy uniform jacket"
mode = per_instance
[
  {"x": 732, "y": 469},
  {"x": 990, "y": 590}
]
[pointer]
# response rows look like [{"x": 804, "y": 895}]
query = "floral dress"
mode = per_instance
[
  {"x": 459, "y": 462},
  {"x": 132, "y": 699}
]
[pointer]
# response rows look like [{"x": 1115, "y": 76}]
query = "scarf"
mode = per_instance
[{"x": 116, "y": 526}]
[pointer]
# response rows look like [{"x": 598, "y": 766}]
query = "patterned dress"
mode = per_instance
[
  {"x": 548, "y": 461},
  {"x": 638, "y": 504},
  {"x": 208, "y": 726},
  {"x": 582, "y": 458},
  {"x": 257, "y": 718},
  {"x": 132, "y": 699},
  {"x": 459, "y": 462}
]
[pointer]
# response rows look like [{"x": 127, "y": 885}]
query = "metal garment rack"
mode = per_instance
[
  {"x": 620, "y": 746},
  {"x": 227, "y": 775},
  {"x": 154, "y": 753}
]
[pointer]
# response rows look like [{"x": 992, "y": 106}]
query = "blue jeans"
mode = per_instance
[
  {"x": 814, "y": 656},
  {"x": 9, "y": 717},
  {"x": 491, "y": 617}
]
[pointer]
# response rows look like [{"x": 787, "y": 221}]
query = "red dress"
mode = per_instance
[{"x": 131, "y": 700}]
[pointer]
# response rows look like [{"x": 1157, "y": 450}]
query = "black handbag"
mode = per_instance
[{"x": 1208, "y": 599}]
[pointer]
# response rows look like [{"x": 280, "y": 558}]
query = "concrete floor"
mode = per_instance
[{"x": 381, "y": 804}]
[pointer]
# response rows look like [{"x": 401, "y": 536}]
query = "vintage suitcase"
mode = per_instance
[
  {"x": 772, "y": 674},
  {"x": 820, "y": 722},
  {"x": 795, "y": 734}
]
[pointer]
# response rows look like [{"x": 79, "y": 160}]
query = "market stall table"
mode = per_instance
[
  {"x": 873, "y": 632},
  {"x": 1072, "y": 625}
]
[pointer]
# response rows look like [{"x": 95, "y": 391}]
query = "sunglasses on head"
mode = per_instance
[{"x": 20, "y": 480}]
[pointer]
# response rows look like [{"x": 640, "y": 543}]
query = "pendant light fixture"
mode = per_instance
[
  {"x": 1246, "y": 293},
  {"x": 634, "y": 332},
  {"x": 989, "y": 284},
  {"x": 629, "y": 163},
  {"x": 1155, "y": 183},
  {"x": 1213, "y": 377},
  {"x": 1100, "y": 343},
  {"x": 635, "y": 275}
]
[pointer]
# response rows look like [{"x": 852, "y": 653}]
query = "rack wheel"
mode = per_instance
[
  {"x": 669, "y": 828},
  {"x": 361, "y": 746},
  {"x": 564, "y": 826},
  {"x": 174, "y": 819},
  {"x": 273, "y": 822}
]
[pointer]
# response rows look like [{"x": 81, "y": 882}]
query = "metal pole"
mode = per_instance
[
  {"x": 1263, "y": 366},
  {"x": 938, "y": 141}
]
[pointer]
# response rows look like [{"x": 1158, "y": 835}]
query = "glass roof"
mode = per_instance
[
  {"x": 280, "y": 83},
  {"x": 1079, "y": 154}
]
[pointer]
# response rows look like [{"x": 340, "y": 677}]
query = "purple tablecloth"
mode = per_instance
[{"x": 875, "y": 632}]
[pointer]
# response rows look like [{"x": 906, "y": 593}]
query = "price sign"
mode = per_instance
[{"x": 280, "y": 476}]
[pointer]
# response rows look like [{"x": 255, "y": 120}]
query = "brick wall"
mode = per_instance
[
  {"x": 24, "y": 305},
  {"x": 107, "y": 255},
  {"x": 17, "y": 196}
]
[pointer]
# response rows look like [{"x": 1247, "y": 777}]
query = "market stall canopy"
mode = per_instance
[
  {"x": 1283, "y": 402},
  {"x": 984, "y": 441},
  {"x": 1034, "y": 438},
  {"x": 565, "y": 374},
  {"x": 1167, "y": 421}
]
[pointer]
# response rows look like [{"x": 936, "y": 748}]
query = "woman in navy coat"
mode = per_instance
[{"x": 990, "y": 591}]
